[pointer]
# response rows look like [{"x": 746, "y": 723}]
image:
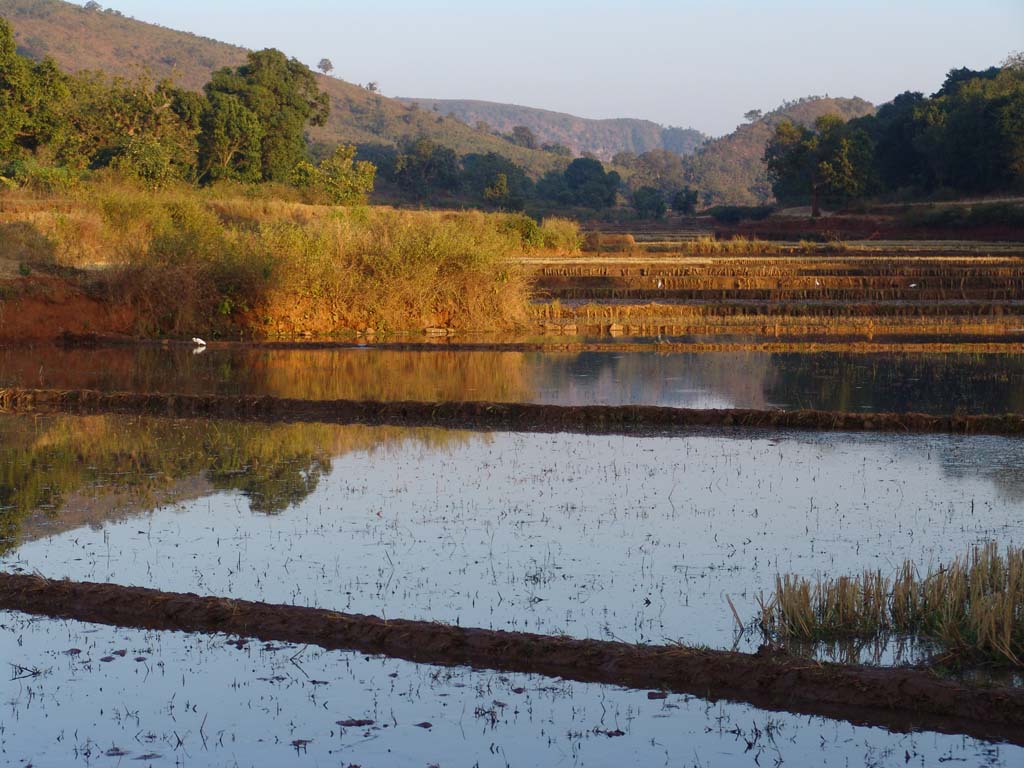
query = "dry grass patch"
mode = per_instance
[{"x": 973, "y": 607}]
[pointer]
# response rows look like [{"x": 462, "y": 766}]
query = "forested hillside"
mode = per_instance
[
  {"x": 81, "y": 39},
  {"x": 602, "y": 138},
  {"x": 732, "y": 170}
]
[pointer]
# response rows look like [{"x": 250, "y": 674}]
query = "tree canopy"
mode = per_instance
[
  {"x": 283, "y": 97},
  {"x": 965, "y": 139},
  {"x": 248, "y": 125}
]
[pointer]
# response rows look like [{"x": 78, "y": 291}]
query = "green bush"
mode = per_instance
[
  {"x": 526, "y": 229},
  {"x": 561, "y": 235},
  {"x": 34, "y": 176}
]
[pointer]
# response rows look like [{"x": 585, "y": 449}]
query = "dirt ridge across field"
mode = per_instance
[
  {"x": 494, "y": 416},
  {"x": 896, "y": 698}
]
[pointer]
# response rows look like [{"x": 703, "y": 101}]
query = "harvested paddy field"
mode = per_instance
[{"x": 853, "y": 295}]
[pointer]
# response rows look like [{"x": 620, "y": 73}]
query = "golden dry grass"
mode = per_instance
[
  {"x": 972, "y": 607},
  {"x": 216, "y": 261}
]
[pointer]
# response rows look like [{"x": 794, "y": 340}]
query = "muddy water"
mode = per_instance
[
  {"x": 638, "y": 539},
  {"x": 939, "y": 383},
  {"x": 173, "y": 699}
]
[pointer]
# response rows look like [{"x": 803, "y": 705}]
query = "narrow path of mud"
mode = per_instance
[
  {"x": 565, "y": 343},
  {"x": 900, "y": 699},
  {"x": 489, "y": 416}
]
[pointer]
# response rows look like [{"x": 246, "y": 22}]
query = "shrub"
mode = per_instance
[
  {"x": 27, "y": 173},
  {"x": 562, "y": 235},
  {"x": 734, "y": 214}
]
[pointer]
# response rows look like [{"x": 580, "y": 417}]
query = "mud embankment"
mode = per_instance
[
  {"x": 900, "y": 699},
  {"x": 491, "y": 416},
  {"x": 43, "y": 308}
]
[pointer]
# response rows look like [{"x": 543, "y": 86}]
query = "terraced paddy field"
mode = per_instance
[{"x": 871, "y": 295}]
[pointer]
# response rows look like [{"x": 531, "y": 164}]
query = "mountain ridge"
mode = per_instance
[{"x": 602, "y": 137}]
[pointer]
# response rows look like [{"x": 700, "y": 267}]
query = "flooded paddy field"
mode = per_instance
[
  {"x": 624, "y": 538},
  {"x": 637, "y": 539},
  {"x": 834, "y": 381},
  {"x": 167, "y": 698}
]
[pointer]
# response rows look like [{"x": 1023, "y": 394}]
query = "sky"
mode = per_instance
[{"x": 691, "y": 64}]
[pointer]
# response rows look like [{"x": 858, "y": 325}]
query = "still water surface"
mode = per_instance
[
  {"x": 638, "y": 539},
  {"x": 81, "y": 694},
  {"x": 931, "y": 383}
]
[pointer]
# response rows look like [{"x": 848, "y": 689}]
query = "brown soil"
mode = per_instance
[
  {"x": 519, "y": 417},
  {"x": 42, "y": 308},
  {"x": 894, "y": 698}
]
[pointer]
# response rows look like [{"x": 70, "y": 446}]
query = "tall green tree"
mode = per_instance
[
  {"x": 136, "y": 125},
  {"x": 589, "y": 185},
  {"x": 283, "y": 96},
  {"x": 829, "y": 161},
  {"x": 425, "y": 166},
  {"x": 649, "y": 203},
  {"x": 32, "y": 98},
  {"x": 230, "y": 145}
]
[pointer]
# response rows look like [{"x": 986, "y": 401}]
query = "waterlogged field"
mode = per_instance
[
  {"x": 631, "y": 538},
  {"x": 884, "y": 382},
  {"x": 151, "y": 698},
  {"x": 637, "y": 539}
]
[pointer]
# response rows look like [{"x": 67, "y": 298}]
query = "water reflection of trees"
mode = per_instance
[
  {"x": 141, "y": 462},
  {"x": 325, "y": 374},
  {"x": 939, "y": 383}
]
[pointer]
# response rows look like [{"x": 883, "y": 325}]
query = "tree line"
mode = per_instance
[
  {"x": 247, "y": 125},
  {"x": 965, "y": 139},
  {"x": 427, "y": 171}
]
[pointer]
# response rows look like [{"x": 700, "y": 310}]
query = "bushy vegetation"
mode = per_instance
[
  {"x": 102, "y": 39},
  {"x": 734, "y": 214},
  {"x": 966, "y": 139},
  {"x": 247, "y": 126},
  {"x": 212, "y": 262},
  {"x": 967, "y": 217}
]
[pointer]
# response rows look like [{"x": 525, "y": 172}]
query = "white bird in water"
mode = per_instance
[
  {"x": 913, "y": 285},
  {"x": 198, "y": 342}
]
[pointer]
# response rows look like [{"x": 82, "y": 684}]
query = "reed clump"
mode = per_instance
[{"x": 973, "y": 607}]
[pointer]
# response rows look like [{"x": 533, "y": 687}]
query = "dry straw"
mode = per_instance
[{"x": 972, "y": 607}]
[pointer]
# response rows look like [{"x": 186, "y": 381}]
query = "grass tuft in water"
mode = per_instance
[{"x": 973, "y": 608}]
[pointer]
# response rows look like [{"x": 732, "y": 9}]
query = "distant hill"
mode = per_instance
[
  {"x": 80, "y": 39},
  {"x": 603, "y": 138},
  {"x": 732, "y": 168}
]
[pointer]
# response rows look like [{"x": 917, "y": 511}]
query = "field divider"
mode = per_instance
[
  {"x": 897, "y": 698},
  {"x": 564, "y": 342},
  {"x": 494, "y": 416}
]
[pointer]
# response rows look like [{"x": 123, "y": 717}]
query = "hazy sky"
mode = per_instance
[{"x": 700, "y": 64}]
